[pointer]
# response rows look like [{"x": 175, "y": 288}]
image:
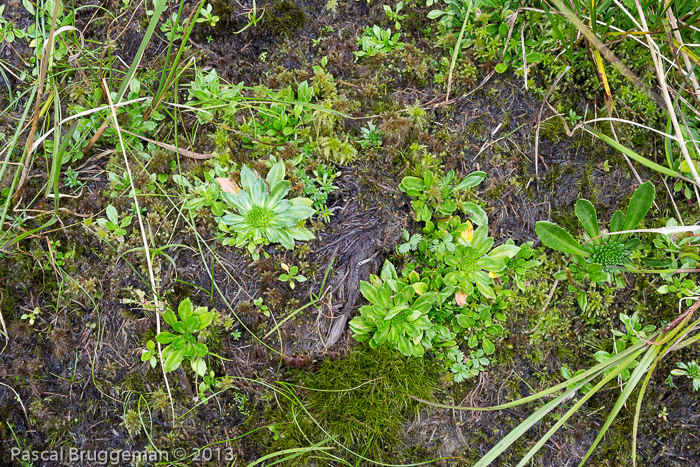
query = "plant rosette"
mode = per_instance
[
  {"x": 264, "y": 215},
  {"x": 474, "y": 264},
  {"x": 182, "y": 344},
  {"x": 397, "y": 313},
  {"x": 601, "y": 257},
  {"x": 436, "y": 197}
]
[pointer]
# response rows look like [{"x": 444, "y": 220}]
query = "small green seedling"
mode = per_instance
[
  {"x": 149, "y": 355},
  {"x": 371, "y": 136},
  {"x": 31, "y": 316},
  {"x": 292, "y": 274},
  {"x": 690, "y": 370},
  {"x": 264, "y": 309},
  {"x": 394, "y": 15},
  {"x": 112, "y": 222}
]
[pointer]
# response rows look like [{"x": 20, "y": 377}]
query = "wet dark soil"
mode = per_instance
[{"x": 77, "y": 371}]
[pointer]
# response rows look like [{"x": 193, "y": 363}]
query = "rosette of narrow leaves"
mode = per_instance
[
  {"x": 182, "y": 343},
  {"x": 397, "y": 313},
  {"x": 264, "y": 215},
  {"x": 436, "y": 196},
  {"x": 601, "y": 256},
  {"x": 474, "y": 263}
]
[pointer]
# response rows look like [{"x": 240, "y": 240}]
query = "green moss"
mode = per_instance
[
  {"x": 282, "y": 18},
  {"x": 363, "y": 400}
]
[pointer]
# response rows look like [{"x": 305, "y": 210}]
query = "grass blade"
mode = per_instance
[{"x": 633, "y": 155}]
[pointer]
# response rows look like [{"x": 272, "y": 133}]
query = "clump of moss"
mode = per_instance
[
  {"x": 336, "y": 151},
  {"x": 283, "y": 18},
  {"x": 363, "y": 400}
]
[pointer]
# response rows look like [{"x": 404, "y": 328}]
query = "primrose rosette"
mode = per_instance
[{"x": 397, "y": 314}]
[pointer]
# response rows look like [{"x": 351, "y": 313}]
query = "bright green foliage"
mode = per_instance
[
  {"x": 371, "y": 135},
  {"x": 31, "y": 316},
  {"x": 332, "y": 149},
  {"x": 8, "y": 31},
  {"x": 599, "y": 258},
  {"x": 632, "y": 332},
  {"x": 449, "y": 278},
  {"x": 394, "y": 15},
  {"x": 690, "y": 370},
  {"x": 465, "y": 368},
  {"x": 291, "y": 275},
  {"x": 182, "y": 344},
  {"x": 521, "y": 262},
  {"x": 362, "y": 399},
  {"x": 376, "y": 40},
  {"x": 282, "y": 118},
  {"x": 318, "y": 187},
  {"x": 437, "y": 196},
  {"x": 204, "y": 193},
  {"x": 396, "y": 314},
  {"x": 474, "y": 262},
  {"x": 113, "y": 224},
  {"x": 674, "y": 252},
  {"x": 207, "y": 92},
  {"x": 264, "y": 215},
  {"x": 447, "y": 288}
]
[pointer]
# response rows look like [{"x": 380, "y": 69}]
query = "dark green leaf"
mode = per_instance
[
  {"x": 556, "y": 238},
  {"x": 587, "y": 215}
]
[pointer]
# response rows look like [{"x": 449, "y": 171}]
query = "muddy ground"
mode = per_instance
[{"x": 78, "y": 372}]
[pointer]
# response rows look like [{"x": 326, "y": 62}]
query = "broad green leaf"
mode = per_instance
[
  {"x": 174, "y": 360},
  {"x": 166, "y": 337},
  {"x": 388, "y": 271},
  {"x": 533, "y": 57},
  {"x": 488, "y": 346},
  {"x": 588, "y": 217},
  {"x": 504, "y": 251},
  {"x": 556, "y": 238},
  {"x": 616, "y": 221},
  {"x": 185, "y": 309},
  {"x": 471, "y": 180},
  {"x": 276, "y": 174},
  {"x": 200, "y": 349},
  {"x": 191, "y": 323},
  {"x": 412, "y": 183},
  {"x": 369, "y": 292},
  {"x": 475, "y": 212},
  {"x": 205, "y": 319},
  {"x": 640, "y": 203},
  {"x": 199, "y": 366},
  {"x": 169, "y": 317},
  {"x": 112, "y": 215}
]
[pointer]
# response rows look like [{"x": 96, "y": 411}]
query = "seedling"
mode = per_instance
[
  {"x": 112, "y": 222},
  {"x": 291, "y": 275},
  {"x": 183, "y": 345},
  {"x": 690, "y": 370},
  {"x": 31, "y": 316}
]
